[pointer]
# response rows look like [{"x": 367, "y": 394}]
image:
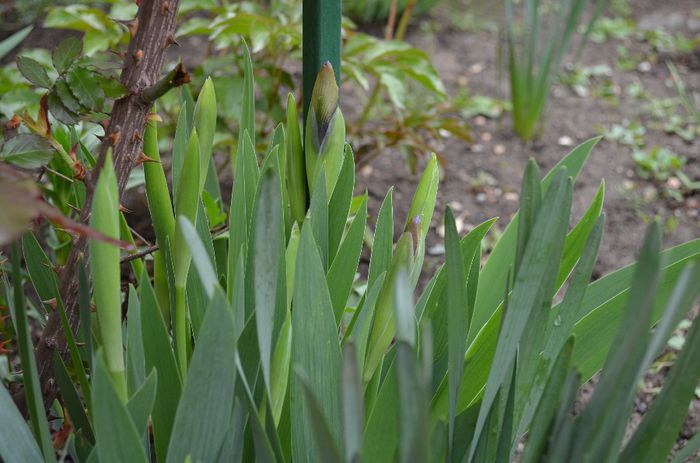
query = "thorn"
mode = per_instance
[
  {"x": 164, "y": 7},
  {"x": 114, "y": 138},
  {"x": 120, "y": 54},
  {"x": 79, "y": 171},
  {"x": 43, "y": 118},
  {"x": 13, "y": 123},
  {"x": 51, "y": 303},
  {"x": 125, "y": 210},
  {"x": 133, "y": 27},
  {"x": 3, "y": 349},
  {"x": 143, "y": 158},
  {"x": 180, "y": 76},
  {"x": 75, "y": 208},
  {"x": 170, "y": 40},
  {"x": 138, "y": 56},
  {"x": 136, "y": 137},
  {"x": 153, "y": 117}
]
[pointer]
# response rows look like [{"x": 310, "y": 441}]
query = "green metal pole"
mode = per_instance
[{"x": 321, "y": 37}]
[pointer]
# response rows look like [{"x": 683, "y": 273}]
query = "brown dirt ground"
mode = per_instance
[{"x": 472, "y": 55}]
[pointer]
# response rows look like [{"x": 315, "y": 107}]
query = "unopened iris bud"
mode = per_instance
[{"x": 325, "y": 130}]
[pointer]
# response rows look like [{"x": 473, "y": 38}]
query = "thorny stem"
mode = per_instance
[
  {"x": 142, "y": 64},
  {"x": 175, "y": 78}
]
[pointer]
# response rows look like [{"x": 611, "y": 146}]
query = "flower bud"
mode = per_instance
[{"x": 325, "y": 130}]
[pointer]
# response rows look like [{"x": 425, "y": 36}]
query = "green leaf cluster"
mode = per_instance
[{"x": 264, "y": 341}]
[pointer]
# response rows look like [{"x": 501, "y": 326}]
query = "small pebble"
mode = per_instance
[
  {"x": 476, "y": 68},
  {"x": 437, "y": 250},
  {"x": 499, "y": 150},
  {"x": 565, "y": 141},
  {"x": 459, "y": 224},
  {"x": 456, "y": 206},
  {"x": 480, "y": 121},
  {"x": 644, "y": 66},
  {"x": 511, "y": 196},
  {"x": 486, "y": 137},
  {"x": 628, "y": 185},
  {"x": 477, "y": 148},
  {"x": 674, "y": 182},
  {"x": 462, "y": 81},
  {"x": 649, "y": 193}
]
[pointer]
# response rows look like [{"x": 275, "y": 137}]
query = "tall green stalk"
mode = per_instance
[
  {"x": 161, "y": 208},
  {"x": 186, "y": 202},
  {"x": 537, "y": 40},
  {"x": 106, "y": 279}
]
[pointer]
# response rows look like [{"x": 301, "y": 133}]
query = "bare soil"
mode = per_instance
[{"x": 472, "y": 57}]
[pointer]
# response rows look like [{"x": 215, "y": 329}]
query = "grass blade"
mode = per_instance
[
  {"x": 342, "y": 271},
  {"x": 353, "y": 406},
  {"x": 339, "y": 204},
  {"x": 159, "y": 355},
  {"x": 490, "y": 292},
  {"x": 383, "y": 326},
  {"x": 690, "y": 449},
  {"x": 413, "y": 436},
  {"x": 327, "y": 449},
  {"x": 603, "y": 421},
  {"x": 315, "y": 349},
  {"x": 32, "y": 388},
  {"x": 141, "y": 403},
  {"x": 457, "y": 315},
  {"x": 207, "y": 396},
  {"x": 44, "y": 281},
  {"x": 318, "y": 211},
  {"x": 549, "y": 402},
  {"x": 263, "y": 447},
  {"x": 296, "y": 169},
  {"x": 72, "y": 400},
  {"x": 16, "y": 440},
  {"x": 530, "y": 201},
  {"x": 530, "y": 287},
  {"x": 116, "y": 434},
  {"x": 655, "y": 436},
  {"x": 267, "y": 263},
  {"x": 382, "y": 245},
  {"x": 135, "y": 357}
]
